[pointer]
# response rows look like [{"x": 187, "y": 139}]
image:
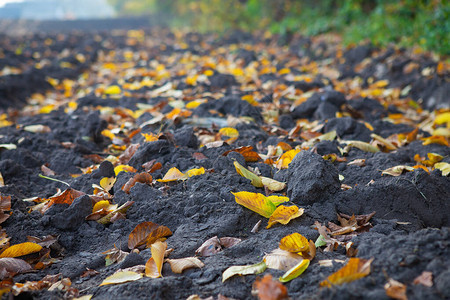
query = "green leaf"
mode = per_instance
[
  {"x": 295, "y": 271},
  {"x": 320, "y": 241}
]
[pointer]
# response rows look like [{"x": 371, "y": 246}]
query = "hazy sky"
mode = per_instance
[{"x": 3, "y": 2}]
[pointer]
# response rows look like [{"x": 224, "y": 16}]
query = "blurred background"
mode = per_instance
[{"x": 405, "y": 22}]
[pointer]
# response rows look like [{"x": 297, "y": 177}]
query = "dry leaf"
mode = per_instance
[
  {"x": 147, "y": 233},
  {"x": 272, "y": 184},
  {"x": 21, "y": 250},
  {"x": 355, "y": 269},
  {"x": 228, "y": 242},
  {"x": 244, "y": 270},
  {"x": 397, "y": 170},
  {"x": 65, "y": 197},
  {"x": 444, "y": 167},
  {"x": 284, "y": 214},
  {"x": 269, "y": 289},
  {"x": 12, "y": 266},
  {"x": 395, "y": 290},
  {"x": 37, "y": 128},
  {"x": 295, "y": 271},
  {"x": 141, "y": 178},
  {"x": 425, "y": 279},
  {"x": 247, "y": 152},
  {"x": 154, "y": 265},
  {"x": 47, "y": 171},
  {"x": 282, "y": 260},
  {"x": 107, "y": 183},
  {"x": 195, "y": 172},
  {"x": 112, "y": 215},
  {"x": 181, "y": 264},
  {"x": 121, "y": 277},
  {"x": 366, "y": 147},
  {"x": 360, "y": 162},
  {"x": 244, "y": 172},
  {"x": 286, "y": 158},
  {"x": 114, "y": 255},
  {"x": 256, "y": 202},
  {"x": 214, "y": 245}
]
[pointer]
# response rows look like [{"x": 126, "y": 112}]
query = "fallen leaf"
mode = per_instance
[
  {"x": 181, "y": 264},
  {"x": 125, "y": 157},
  {"x": 120, "y": 210},
  {"x": 284, "y": 214},
  {"x": 355, "y": 269},
  {"x": 113, "y": 90},
  {"x": 366, "y": 147},
  {"x": 282, "y": 259},
  {"x": 256, "y": 202},
  {"x": 173, "y": 175},
  {"x": 269, "y": 289},
  {"x": 121, "y": 277},
  {"x": 124, "y": 168},
  {"x": 215, "y": 245},
  {"x": 294, "y": 242},
  {"x": 47, "y": 171},
  {"x": 232, "y": 133},
  {"x": 435, "y": 139},
  {"x": 143, "y": 177},
  {"x": 154, "y": 265},
  {"x": 147, "y": 233},
  {"x": 244, "y": 270},
  {"x": 277, "y": 200},
  {"x": 244, "y": 172},
  {"x": 425, "y": 279},
  {"x": 247, "y": 152},
  {"x": 12, "y": 266},
  {"x": 107, "y": 183},
  {"x": 195, "y": 172},
  {"x": 8, "y": 146},
  {"x": 397, "y": 170},
  {"x": 228, "y": 242},
  {"x": 65, "y": 197},
  {"x": 114, "y": 255},
  {"x": 295, "y": 271},
  {"x": 37, "y": 128},
  {"x": 360, "y": 162},
  {"x": 444, "y": 167},
  {"x": 21, "y": 250},
  {"x": 285, "y": 159},
  {"x": 272, "y": 184},
  {"x": 395, "y": 290}
]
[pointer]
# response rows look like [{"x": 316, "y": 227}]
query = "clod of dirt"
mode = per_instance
[
  {"x": 311, "y": 179},
  {"x": 73, "y": 216}
]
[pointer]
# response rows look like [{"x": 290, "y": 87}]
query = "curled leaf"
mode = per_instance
[
  {"x": 244, "y": 172},
  {"x": 244, "y": 270},
  {"x": 286, "y": 158},
  {"x": 173, "y": 175},
  {"x": 272, "y": 184},
  {"x": 154, "y": 265},
  {"x": 397, "y": 170},
  {"x": 181, "y": 264},
  {"x": 295, "y": 271},
  {"x": 284, "y": 214},
  {"x": 147, "y": 233},
  {"x": 12, "y": 266}
]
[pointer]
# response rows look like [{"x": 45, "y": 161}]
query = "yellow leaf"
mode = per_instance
[
  {"x": 284, "y": 214},
  {"x": 154, "y": 265},
  {"x": 108, "y": 134},
  {"x": 195, "y": 103},
  {"x": 389, "y": 146},
  {"x": 244, "y": 172},
  {"x": 150, "y": 137},
  {"x": 123, "y": 168},
  {"x": 244, "y": 270},
  {"x": 113, "y": 90},
  {"x": 191, "y": 80},
  {"x": 47, "y": 109},
  {"x": 121, "y": 277},
  {"x": 442, "y": 118},
  {"x": 295, "y": 271},
  {"x": 122, "y": 209},
  {"x": 284, "y": 71},
  {"x": 286, "y": 158},
  {"x": 397, "y": 170},
  {"x": 444, "y": 167},
  {"x": 173, "y": 175},
  {"x": 277, "y": 200},
  {"x": 366, "y": 147},
  {"x": 103, "y": 204},
  {"x": 294, "y": 242},
  {"x": 356, "y": 268},
  {"x": 442, "y": 132},
  {"x": 435, "y": 139},
  {"x": 282, "y": 260},
  {"x": 256, "y": 202},
  {"x": 272, "y": 184},
  {"x": 181, "y": 264},
  {"x": 107, "y": 183},
  {"x": 195, "y": 172},
  {"x": 21, "y": 249}
]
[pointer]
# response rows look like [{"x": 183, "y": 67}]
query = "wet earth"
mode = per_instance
[{"x": 79, "y": 106}]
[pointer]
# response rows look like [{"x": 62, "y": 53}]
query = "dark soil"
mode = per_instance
[{"x": 410, "y": 231}]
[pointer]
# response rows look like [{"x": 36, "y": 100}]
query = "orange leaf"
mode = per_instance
[
  {"x": 141, "y": 178},
  {"x": 147, "y": 233},
  {"x": 284, "y": 214},
  {"x": 66, "y": 197},
  {"x": 173, "y": 175},
  {"x": 247, "y": 152},
  {"x": 435, "y": 139},
  {"x": 154, "y": 265},
  {"x": 356, "y": 268},
  {"x": 294, "y": 242},
  {"x": 21, "y": 250},
  {"x": 269, "y": 289},
  {"x": 395, "y": 290},
  {"x": 256, "y": 202}
]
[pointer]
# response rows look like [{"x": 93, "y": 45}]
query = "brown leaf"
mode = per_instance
[
  {"x": 198, "y": 156},
  {"x": 12, "y": 266},
  {"x": 46, "y": 241},
  {"x": 89, "y": 273},
  {"x": 395, "y": 290},
  {"x": 47, "y": 171},
  {"x": 228, "y": 242},
  {"x": 125, "y": 157},
  {"x": 426, "y": 279},
  {"x": 247, "y": 152},
  {"x": 181, "y": 264},
  {"x": 269, "y": 289},
  {"x": 147, "y": 233},
  {"x": 215, "y": 245},
  {"x": 114, "y": 255},
  {"x": 141, "y": 178}
]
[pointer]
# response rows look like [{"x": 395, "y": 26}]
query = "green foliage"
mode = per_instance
[{"x": 408, "y": 22}]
